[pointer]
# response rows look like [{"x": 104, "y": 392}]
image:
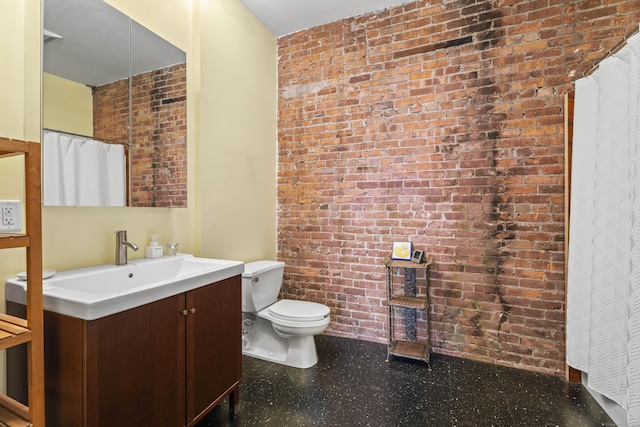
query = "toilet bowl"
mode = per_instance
[
  {"x": 292, "y": 317},
  {"x": 278, "y": 331}
]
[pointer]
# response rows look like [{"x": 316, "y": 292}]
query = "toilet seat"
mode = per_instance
[
  {"x": 309, "y": 319},
  {"x": 298, "y": 311}
]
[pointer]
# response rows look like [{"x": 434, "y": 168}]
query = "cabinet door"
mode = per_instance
[
  {"x": 214, "y": 345},
  {"x": 135, "y": 367}
]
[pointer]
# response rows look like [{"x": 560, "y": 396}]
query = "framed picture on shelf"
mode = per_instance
[{"x": 401, "y": 250}]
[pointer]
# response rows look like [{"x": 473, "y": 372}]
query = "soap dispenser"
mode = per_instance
[{"x": 154, "y": 250}]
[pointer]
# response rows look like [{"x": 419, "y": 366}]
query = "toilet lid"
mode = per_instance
[{"x": 303, "y": 311}]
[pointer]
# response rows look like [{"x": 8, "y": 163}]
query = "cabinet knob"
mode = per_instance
[
  {"x": 193, "y": 310},
  {"x": 184, "y": 312}
]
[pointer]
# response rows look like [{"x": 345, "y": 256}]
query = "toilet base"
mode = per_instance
[{"x": 262, "y": 342}]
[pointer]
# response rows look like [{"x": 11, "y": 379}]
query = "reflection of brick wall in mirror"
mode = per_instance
[{"x": 159, "y": 151}]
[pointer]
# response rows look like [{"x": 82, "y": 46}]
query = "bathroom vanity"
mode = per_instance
[{"x": 163, "y": 363}]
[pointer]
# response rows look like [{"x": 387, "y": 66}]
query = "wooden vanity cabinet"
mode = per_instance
[
  {"x": 166, "y": 363},
  {"x": 214, "y": 347},
  {"x": 134, "y": 365}
]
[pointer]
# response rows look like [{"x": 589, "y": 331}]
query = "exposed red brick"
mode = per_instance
[
  {"x": 159, "y": 133},
  {"x": 386, "y": 133}
]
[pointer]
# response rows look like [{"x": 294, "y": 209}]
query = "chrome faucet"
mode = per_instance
[{"x": 121, "y": 247}]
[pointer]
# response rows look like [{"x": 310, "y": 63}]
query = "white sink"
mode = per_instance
[{"x": 95, "y": 292}]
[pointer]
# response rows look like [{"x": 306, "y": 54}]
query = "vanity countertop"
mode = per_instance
[{"x": 95, "y": 292}]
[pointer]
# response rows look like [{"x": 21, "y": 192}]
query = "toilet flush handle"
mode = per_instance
[{"x": 255, "y": 280}]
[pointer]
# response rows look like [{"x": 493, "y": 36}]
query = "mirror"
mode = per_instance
[{"x": 114, "y": 110}]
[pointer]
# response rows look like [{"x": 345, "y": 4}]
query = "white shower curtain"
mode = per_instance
[
  {"x": 603, "y": 283},
  {"x": 82, "y": 172}
]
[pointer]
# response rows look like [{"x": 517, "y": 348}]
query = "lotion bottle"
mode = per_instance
[{"x": 154, "y": 250}]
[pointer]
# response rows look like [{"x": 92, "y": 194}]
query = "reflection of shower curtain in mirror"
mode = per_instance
[
  {"x": 82, "y": 172},
  {"x": 603, "y": 283}
]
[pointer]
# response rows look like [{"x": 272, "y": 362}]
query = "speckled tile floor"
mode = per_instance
[{"x": 352, "y": 385}]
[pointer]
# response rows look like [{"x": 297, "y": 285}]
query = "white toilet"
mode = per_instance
[{"x": 281, "y": 331}]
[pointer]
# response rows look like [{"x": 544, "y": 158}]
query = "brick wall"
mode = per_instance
[
  {"x": 440, "y": 123},
  {"x": 159, "y": 136},
  {"x": 111, "y": 112}
]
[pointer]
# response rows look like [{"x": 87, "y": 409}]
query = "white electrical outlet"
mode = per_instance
[{"x": 10, "y": 219}]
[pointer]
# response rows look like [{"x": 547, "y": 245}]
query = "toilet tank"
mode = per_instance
[{"x": 261, "y": 283}]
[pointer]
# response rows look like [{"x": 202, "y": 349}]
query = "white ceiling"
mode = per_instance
[{"x": 288, "y": 16}]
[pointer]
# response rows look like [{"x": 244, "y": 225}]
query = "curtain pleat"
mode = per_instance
[
  {"x": 603, "y": 283},
  {"x": 611, "y": 236},
  {"x": 633, "y": 345},
  {"x": 82, "y": 172},
  {"x": 581, "y": 242}
]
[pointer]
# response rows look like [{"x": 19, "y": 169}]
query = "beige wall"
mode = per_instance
[
  {"x": 12, "y": 89},
  {"x": 19, "y": 113},
  {"x": 237, "y": 123},
  {"x": 231, "y": 138},
  {"x": 67, "y": 105}
]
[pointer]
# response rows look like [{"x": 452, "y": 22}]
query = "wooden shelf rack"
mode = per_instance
[
  {"x": 30, "y": 331},
  {"x": 406, "y": 348}
]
